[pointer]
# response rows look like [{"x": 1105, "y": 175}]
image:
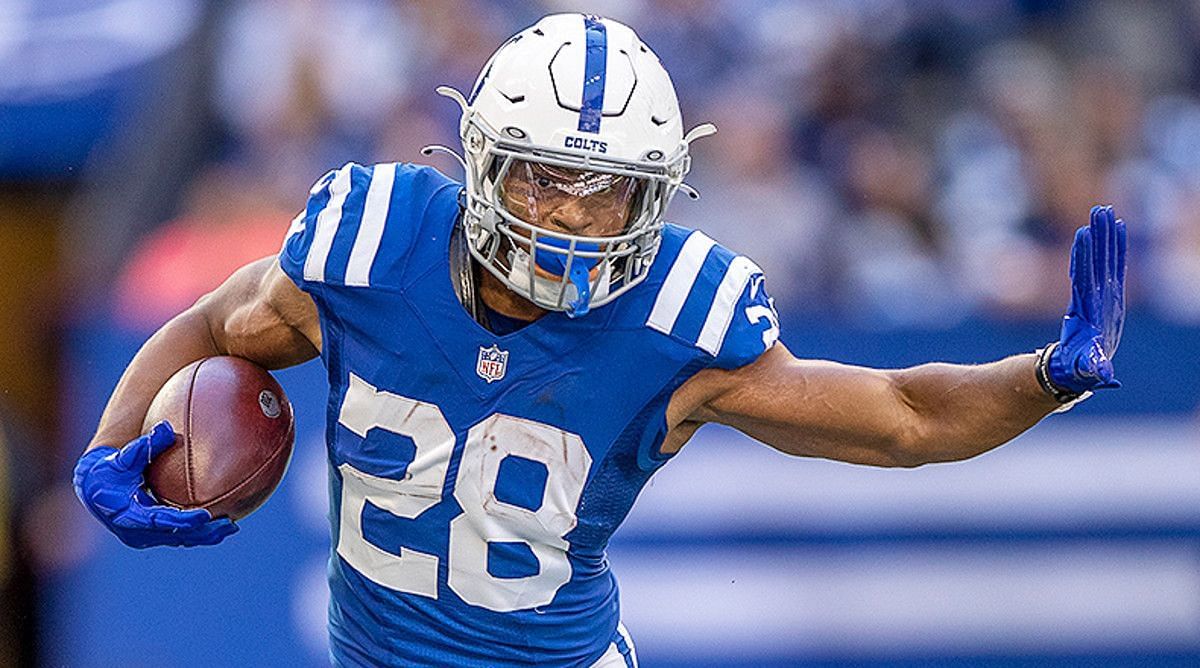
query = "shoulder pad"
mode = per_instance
[
  {"x": 716, "y": 301},
  {"x": 359, "y": 222}
]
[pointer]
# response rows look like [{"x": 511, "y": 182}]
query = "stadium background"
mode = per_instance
[{"x": 908, "y": 174}]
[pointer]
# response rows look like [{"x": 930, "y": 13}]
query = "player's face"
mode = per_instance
[{"x": 570, "y": 201}]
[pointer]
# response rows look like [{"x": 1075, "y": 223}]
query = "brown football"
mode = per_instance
[{"x": 234, "y": 435}]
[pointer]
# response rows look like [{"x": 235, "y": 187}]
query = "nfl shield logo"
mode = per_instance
[{"x": 492, "y": 363}]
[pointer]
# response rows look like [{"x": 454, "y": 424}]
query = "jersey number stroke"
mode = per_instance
[{"x": 485, "y": 518}]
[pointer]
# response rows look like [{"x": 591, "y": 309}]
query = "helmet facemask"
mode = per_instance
[{"x": 514, "y": 194}]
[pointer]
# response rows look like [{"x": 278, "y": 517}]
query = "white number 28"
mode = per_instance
[{"x": 485, "y": 518}]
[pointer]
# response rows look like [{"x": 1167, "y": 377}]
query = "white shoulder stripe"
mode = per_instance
[
  {"x": 678, "y": 284},
  {"x": 296, "y": 227},
  {"x": 370, "y": 230},
  {"x": 316, "y": 187},
  {"x": 327, "y": 225},
  {"x": 716, "y": 325}
]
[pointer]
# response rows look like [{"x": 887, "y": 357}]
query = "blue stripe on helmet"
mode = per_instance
[{"x": 592, "y": 106}]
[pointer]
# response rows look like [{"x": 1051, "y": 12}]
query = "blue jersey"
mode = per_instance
[{"x": 475, "y": 478}]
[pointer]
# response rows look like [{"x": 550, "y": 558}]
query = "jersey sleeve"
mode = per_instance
[
  {"x": 715, "y": 301},
  {"x": 357, "y": 226},
  {"x": 753, "y": 327}
]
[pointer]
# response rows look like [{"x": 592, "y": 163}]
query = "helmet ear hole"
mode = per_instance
[{"x": 473, "y": 141}]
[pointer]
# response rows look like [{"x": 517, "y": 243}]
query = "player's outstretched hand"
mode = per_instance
[
  {"x": 111, "y": 485},
  {"x": 1091, "y": 330}
]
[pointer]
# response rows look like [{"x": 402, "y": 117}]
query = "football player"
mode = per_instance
[{"x": 545, "y": 342}]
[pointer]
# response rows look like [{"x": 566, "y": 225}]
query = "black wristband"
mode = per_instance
[{"x": 1059, "y": 394}]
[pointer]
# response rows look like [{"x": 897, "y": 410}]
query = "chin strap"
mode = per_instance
[
  {"x": 462, "y": 272},
  {"x": 578, "y": 273}
]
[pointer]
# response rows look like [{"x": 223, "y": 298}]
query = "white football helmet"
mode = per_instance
[{"x": 580, "y": 98}]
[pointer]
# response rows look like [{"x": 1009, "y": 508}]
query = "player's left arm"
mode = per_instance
[{"x": 932, "y": 412}]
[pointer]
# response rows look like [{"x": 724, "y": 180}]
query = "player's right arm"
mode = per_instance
[{"x": 259, "y": 314}]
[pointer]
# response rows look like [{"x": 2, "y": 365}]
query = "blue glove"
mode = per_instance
[
  {"x": 1091, "y": 331},
  {"x": 110, "y": 484}
]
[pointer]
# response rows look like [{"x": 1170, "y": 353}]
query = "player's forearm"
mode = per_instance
[
  {"x": 257, "y": 314},
  {"x": 905, "y": 417},
  {"x": 955, "y": 412},
  {"x": 183, "y": 340}
]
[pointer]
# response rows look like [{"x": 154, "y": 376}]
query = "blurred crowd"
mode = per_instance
[{"x": 890, "y": 163}]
